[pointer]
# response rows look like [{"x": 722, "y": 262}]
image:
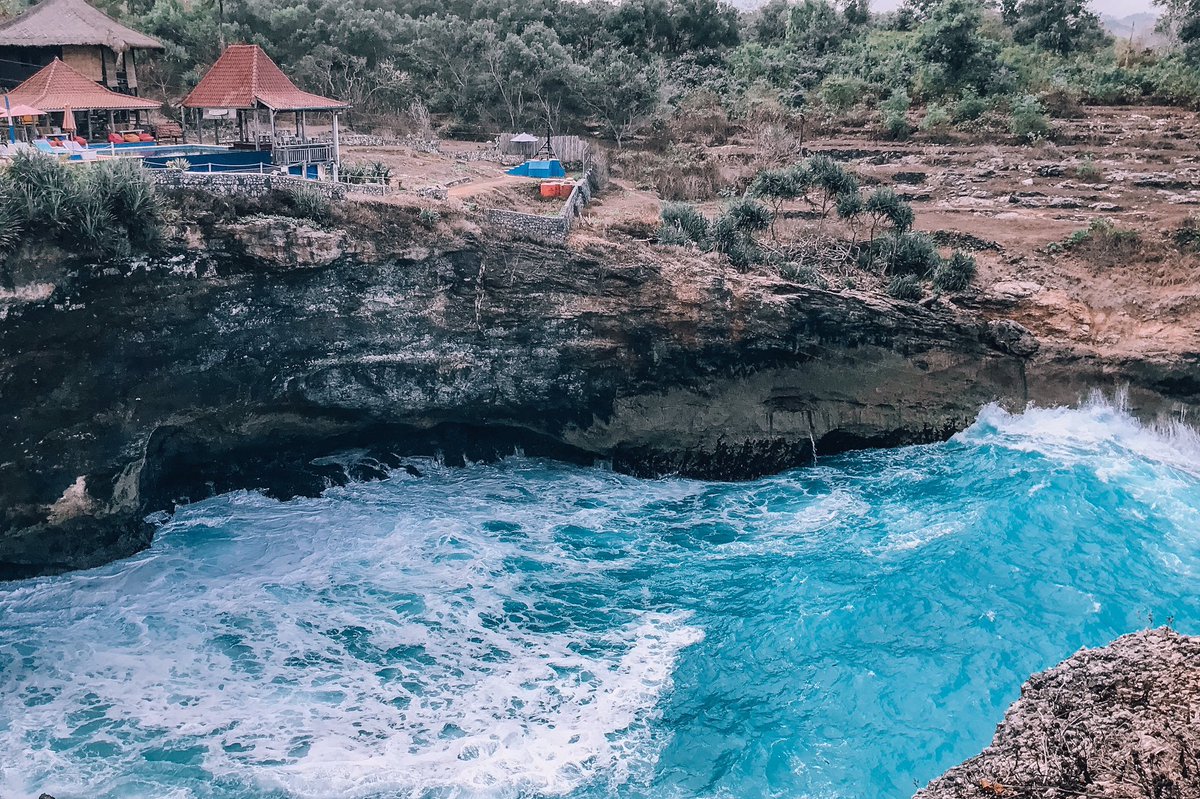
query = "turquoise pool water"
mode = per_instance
[{"x": 530, "y": 629}]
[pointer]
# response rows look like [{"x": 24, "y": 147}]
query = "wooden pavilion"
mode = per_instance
[
  {"x": 245, "y": 85},
  {"x": 59, "y": 88},
  {"x": 91, "y": 42}
]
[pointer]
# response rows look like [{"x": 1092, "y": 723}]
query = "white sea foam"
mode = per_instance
[
  {"x": 1099, "y": 427},
  {"x": 335, "y": 655}
]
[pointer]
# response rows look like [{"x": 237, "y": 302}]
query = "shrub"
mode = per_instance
[
  {"x": 905, "y": 287},
  {"x": 1029, "y": 120},
  {"x": 1102, "y": 243},
  {"x": 673, "y": 236},
  {"x": 884, "y": 205},
  {"x": 428, "y": 217},
  {"x": 913, "y": 253},
  {"x": 179, "y": 164},
  {"x": 840, "y": 94},
  {"x": 969, "y": 108},
  {"x": 1187, "y": 236},
  {"x": 804, "y": 274},
  {"x": 374, "y": 172},
  {"x": 1087, "y": 170},
  {"x": 11, "y": 224},
  {"x": 956, "y": 273},
  {"x": 102, "y": 208},
  {"x": 308, "y": 203},
  {"x": 683, "y": 224},
  {"x": 936, "y": 119},
  {"x": 894, "y": 111},
  {"x": 748, "y": 216}
]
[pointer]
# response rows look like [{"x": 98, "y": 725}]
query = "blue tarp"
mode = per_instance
[{"x": 540, "y": 169}]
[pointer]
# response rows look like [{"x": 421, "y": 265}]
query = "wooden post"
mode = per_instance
[
  {"x": 337, "y": 148},
  {"x": 303, "y": 127}
]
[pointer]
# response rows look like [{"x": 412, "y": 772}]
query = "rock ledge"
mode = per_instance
[{"x": 1120, "y": 722}]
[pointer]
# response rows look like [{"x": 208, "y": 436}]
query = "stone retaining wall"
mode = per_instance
[
  {"x": 539, "y": 226},
  {"x": 253, "y": 185}
]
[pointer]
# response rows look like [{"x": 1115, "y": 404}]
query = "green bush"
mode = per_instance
[
  {"x": 884, "y": 205},
  {"x": 913, "y": 253},
  {"x": 894, "y": 111},
  {"x": 429, "y": 217},
  {"x": 969, "y": 108},
  {"x": 683, "y": 224},
  {"x": 955, "y": 273},
  {"x": 936, "y": 119},
  {"x": 102, "y": 209},
  {"x": 308, "y": 203},
  {"x": 1087, "y": 170},
  {"x": 374, "y": 172},
  {"x": 905, "y": 287},
  {"x": 748, "y": 216},
  {"x": 804, "y": 274},
  {"x": 840, "y": 94},
  {"x": 1028, "y": 120}
]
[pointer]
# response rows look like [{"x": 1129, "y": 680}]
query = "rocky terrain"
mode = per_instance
[
  {"x": 1117, "y": 722},
  {"x": 259, "y": 343}
]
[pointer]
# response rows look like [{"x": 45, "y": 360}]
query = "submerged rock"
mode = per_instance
[{"x": 1120, "y": 722}]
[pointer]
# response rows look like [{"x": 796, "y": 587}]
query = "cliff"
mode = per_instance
[
  {"x": 1116, "y": 722},
  {"x": 264, "y": 343}
]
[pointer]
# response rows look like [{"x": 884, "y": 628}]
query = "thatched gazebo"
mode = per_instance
[{"x": 85, "y": 38}]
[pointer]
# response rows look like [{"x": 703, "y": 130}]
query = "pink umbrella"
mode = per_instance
[
  {"x": 20, "y": 110},
  {"x": 68, "y": 124}
]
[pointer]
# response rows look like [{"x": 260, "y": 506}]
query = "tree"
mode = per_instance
[
  {"x": 621, "y": 92},
  {"x": 951, "y": 42},
  {"x": 1061, "y": 26},
  {"x": 1181, "y": 21}
]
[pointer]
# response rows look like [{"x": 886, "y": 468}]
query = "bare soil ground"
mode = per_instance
[{"x": 1010, "y": 205}]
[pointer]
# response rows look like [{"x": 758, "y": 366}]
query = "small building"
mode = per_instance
[
  {"x": 59, "y": 88},
  {"x": 247, "y": 88},
  {"x": 91, "y": 42}
]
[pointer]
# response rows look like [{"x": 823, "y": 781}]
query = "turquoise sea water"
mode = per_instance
[{"x": 529, "y": 629}]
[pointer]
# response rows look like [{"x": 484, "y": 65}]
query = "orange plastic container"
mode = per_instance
[
  {"x": 549, "y": 190},
  {"x": 565, "y": 189}
]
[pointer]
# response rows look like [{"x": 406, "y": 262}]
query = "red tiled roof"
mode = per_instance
[
  {"x": 57, "y": 85},
  {"x": 245, "y": 77}
]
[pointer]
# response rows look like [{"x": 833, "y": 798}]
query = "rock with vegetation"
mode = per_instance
[{"x": 1117, "y": 722}]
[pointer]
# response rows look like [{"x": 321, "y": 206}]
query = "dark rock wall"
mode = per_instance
[{"x": 127, "y": 390}]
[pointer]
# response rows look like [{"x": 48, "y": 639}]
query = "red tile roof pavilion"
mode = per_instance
[
  {"x": 57, "y": 86},
  {"x": 245, "y": 77}
]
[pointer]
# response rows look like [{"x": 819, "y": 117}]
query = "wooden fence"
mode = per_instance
[{"x": 569, "y": 149}]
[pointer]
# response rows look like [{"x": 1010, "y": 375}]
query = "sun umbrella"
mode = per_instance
[
  {"x": 20, "y": 110},
  {"x": 68, "y": 124},
  {"x": 523, "y": 138}
]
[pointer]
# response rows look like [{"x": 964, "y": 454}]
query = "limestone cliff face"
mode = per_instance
[
  {"x": 1116, "y": 722},
  {"x": 235, "y": 363}
]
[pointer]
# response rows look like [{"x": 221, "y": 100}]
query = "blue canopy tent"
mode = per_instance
[{"x": 540, "y": 169}]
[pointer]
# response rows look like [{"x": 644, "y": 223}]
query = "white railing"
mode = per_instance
[{"x": 296, "y": 154}]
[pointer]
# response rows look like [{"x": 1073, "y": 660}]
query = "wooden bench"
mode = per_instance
[{"x": 168, "y": 130}]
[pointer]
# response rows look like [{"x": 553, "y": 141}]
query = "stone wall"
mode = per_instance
[
  {"x": 230, "y": 183},
  {"x": 545, "y": 227}
]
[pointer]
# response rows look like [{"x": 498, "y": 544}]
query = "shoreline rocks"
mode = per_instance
[{"x": 1120, "y": 722}]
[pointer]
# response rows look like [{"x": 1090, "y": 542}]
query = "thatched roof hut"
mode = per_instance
[{"x": 84, "y": 37}]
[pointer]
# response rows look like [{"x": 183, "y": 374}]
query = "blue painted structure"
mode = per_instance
[
  {"x": 223, "y": 161},
  {"x": 540, "y": 169}
]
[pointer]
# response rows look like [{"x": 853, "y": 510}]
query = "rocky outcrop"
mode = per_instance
[
  {"x": 236, "y": 363},
  {"x": 1119, "y": 722}
]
